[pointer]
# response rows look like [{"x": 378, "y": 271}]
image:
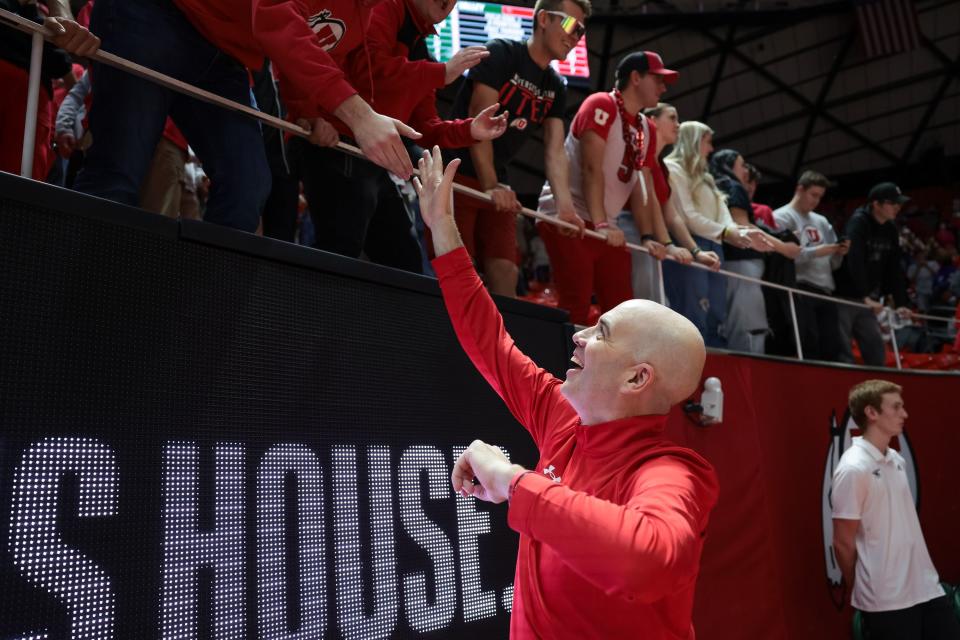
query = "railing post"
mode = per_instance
[
  {"x": 663, "y": 291},
  {"x": 796, "y": 327},
  {"x": 33, "y": 95},
  {"x": 893, "y": 337}
]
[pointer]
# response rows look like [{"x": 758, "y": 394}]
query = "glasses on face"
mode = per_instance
[{"x": 570, "y": 25}]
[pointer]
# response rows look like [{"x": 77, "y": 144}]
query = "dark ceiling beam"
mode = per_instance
[
  {"x": 753, "y": 151},
  {"x": 771, "y": 61},
  {"x": 951, "y": 74},
  {"x": 718, "y": 73},
  {"x": 824, "y": 92},
  {"x": 835, "y": 154},
  {"x": 808, "y": 106},
  {"x": 639, "y": 45}
]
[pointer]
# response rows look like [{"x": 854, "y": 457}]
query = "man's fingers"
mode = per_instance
[
  {"x": 451, "y": 169},
  {"x": 406, "y": 131},
  {"x": 417, "y": 186}
]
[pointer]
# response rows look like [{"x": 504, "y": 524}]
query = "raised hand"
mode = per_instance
[
  {"x": 487, "y": 126},
  {"x": 434, "y": 187},
  {"x": 466, "y": 58}
]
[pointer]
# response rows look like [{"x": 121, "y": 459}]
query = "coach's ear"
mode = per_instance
[{"x": 639, "y": 378}]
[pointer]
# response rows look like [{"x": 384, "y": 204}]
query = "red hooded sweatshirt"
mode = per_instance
[
  {"x": 405, "y": 89},
  {"x": 308, "y": 40},
  {"x": 612, "y": 523}
]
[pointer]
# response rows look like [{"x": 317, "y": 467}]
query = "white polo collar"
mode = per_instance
[{"x": 866, "y": 445}]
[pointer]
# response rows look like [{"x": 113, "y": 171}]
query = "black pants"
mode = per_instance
[
  {"x": 819, "y": 324},
  {"x": 931, "y": 620},
  {"x": 342, "y": 192}
]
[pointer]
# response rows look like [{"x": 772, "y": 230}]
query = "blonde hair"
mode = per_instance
[{"x": 686, "y": 153}]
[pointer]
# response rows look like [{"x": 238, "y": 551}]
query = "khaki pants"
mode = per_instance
[{"x": 162, "y": 188}]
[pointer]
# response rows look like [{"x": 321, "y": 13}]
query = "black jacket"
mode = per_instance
[{"x": 872, "y": 266}]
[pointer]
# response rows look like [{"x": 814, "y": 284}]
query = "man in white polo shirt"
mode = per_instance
[{"x": 876, "y": 532}]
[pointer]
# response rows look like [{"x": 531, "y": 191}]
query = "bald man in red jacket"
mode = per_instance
[{"x": 613, "y": 518}]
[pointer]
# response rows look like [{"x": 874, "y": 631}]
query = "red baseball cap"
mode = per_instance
[{"x": 645, "y": 62}]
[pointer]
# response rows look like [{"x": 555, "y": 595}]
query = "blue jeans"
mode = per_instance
[
  {"x": 129, "y": 113},
  {"x": 698, "y": 295}
]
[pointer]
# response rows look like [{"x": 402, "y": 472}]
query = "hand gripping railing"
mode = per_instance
[{"x": 39, "y": 33}]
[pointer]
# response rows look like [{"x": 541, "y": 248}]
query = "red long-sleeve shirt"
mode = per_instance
[
  {"x": 308, "y": 40},
  {"x": 405, "y": 89},
  {"x": 613, "y": 549}
]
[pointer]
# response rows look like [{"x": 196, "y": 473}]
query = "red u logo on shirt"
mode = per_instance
[{"x": 628, "y": 164}]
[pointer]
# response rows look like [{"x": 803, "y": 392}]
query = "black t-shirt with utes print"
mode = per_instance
[{"x": 529, "y": 93}]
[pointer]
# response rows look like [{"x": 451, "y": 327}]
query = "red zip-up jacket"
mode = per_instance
[
  {"x": 611, "y": 548},
  {"x": 405, "y": 89},
  {"x": 308, "y": 40}
]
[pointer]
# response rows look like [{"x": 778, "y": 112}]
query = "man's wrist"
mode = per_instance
[
  {"x": 517, "y": 474},
  {"x": 446, "y": 236},
  {"x": 353, "y": 110}
]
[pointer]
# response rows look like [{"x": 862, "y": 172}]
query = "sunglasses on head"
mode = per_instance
[{"x": 569, "y": 24}]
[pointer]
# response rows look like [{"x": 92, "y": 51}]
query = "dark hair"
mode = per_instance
[
  {"x": 753, "y": 174},
  {"x": 813, "y": 179},
  {"x": 557, "y": 5},
  {"x": 869, "y": 394},
  {"x": 657, "y": 111}
]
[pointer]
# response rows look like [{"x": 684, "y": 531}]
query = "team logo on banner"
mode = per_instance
[
  {"x": 841, "y": 437},
  {"x": 329, "y": 30}
]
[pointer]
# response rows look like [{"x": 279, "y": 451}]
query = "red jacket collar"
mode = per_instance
[{"x": 620, "y": 436}]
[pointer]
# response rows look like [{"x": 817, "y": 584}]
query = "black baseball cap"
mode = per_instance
[
  {"x": 887, "y": 192},
  {"x": 645, "y": 62}
]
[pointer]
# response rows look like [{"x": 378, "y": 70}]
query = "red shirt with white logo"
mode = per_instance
[
  {"x": 612, "y": 523},
  {"x": 308, "y": 40}
]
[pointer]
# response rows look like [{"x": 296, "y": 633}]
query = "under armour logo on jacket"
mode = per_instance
[{"x": 549, "y": 471}]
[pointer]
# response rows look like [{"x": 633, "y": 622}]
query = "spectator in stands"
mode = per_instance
[
  {"x": 820, "y": 255},
  {"x": 611, "y": 149},
  {"x": 700, "y": 296},
  {"x": 14, "y": 78},
  {"x": 876, "y": 532},
  {"x": 645, "y": 280},
  {"x": 921, "y": 274},
  {"x": 945, "y": 236},
  {"x": 518, "y": 76},
  {"x": 207, "y": 43},
  {"x": 746, "y": 323},
  {"x": 871, "y": 271},
  {"x": 762, "y": 213},
  {"x": 70, "y": 130},
  {"x": 344, "y": 192}
]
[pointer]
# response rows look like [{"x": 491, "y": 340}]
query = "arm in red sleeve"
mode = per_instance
[
  {"x": 314, "y": 82},
  {"x": 447, "y": 134},
  {"x": 644, "y": 549},
  {"x": 531, "y": 394},
  {"x": 390, "y": 58}
]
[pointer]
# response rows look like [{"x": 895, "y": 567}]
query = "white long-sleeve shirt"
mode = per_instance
[
  {"x": 814, "y": 231},
  {"x": 707, "y": 215}
]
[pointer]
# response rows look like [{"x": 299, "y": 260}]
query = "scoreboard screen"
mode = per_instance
[{"x": 475, "y": 23}]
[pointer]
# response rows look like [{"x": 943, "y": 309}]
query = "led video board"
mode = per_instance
[{"x": 200, "y": 441}]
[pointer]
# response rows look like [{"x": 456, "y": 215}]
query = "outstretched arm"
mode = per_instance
[{"x": 531, "y": 394}]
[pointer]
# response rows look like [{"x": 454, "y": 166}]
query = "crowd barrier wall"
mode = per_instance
[{"x": 207, "y": 434}]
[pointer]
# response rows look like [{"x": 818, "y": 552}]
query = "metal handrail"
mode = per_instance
[{"x": 38, "y": 31}]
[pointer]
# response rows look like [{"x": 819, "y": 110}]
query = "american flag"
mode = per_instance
[{"x": 887, "y": 26}]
